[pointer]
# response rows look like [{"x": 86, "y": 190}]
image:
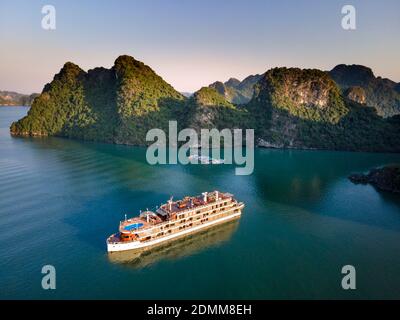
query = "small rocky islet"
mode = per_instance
[{"x": 386, "y": 178}]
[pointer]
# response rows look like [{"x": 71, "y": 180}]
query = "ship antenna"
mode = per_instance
[{"x": 125, "y": 216}]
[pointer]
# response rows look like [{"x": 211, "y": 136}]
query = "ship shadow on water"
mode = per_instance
[{"x": 176, "y": 249}]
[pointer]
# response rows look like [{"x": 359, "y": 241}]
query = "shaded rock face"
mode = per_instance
[
  {"x": 382, "y": 94},
  {"x": 385, "y": 179},
  {"x": 352, "y": 75},
  {"x": 232, "y": 82},
  {"x": 221, "y": 88}
]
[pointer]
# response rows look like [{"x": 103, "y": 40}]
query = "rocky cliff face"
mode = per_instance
[
  {"x": 309, "y": 93},
  {"x": 382, "y": 94},
  {"x": 397, "y": 87},
  {"x": 116, "y": 105},
  {"x": 356, "y": 94},
  {"x": 296, "y": 108},
  {"x": 288, "y": 108},
  {"x": 284, "y": 97}
]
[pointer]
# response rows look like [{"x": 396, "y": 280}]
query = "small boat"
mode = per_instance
[{"x": 204, "y": 159}]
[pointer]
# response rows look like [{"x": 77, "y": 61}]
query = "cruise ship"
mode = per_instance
[{"x": 175, "y": 219}]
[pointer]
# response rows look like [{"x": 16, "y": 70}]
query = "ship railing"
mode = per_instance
[
  {"x": 231, "y": 204},
  {"x": 204, "y": 205},
  {"x": 140, "y": 238}
]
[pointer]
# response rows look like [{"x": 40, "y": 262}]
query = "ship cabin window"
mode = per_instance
[
  {"x": 198, "y": 211},
  {"x": 225, "y": 203}
]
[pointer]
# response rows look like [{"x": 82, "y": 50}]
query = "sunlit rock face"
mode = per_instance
[{"x": 356, "y": 94}]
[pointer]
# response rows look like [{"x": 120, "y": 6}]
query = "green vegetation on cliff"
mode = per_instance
[
  {"x": 60, "y": 107},
  {"x": 144, "y": 101},
  {"x": 304, "y": 109},
  {"x": 289, "y": 107},
  {"x": 308, "y": 94},
  {"x": 208, "y": 109},
  {"x": 113, "y": 105}
]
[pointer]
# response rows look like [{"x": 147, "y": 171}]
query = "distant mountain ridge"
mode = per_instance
[
  {"x": 187, "y": 94},
  {"x": 381, "y": 93},
  {"x": 236, "y": 91},
  {"x": 11, "y": 98},
  {"x": 287, "y": 107}
]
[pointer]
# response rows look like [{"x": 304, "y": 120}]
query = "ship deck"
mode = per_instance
[
  {"x": 168, "y": 211},
  {"x": 192, "y": 203}
]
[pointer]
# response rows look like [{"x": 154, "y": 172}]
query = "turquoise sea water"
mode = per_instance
[{"x": 303, "y": 221}]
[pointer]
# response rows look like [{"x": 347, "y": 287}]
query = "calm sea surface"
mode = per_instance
[{"x": 303, "y": 221}]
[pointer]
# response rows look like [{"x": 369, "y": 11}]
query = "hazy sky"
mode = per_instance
[{"x": 194, "y": 43}]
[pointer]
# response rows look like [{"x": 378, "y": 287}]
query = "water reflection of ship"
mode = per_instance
[{"x": 178, "y": 248}]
